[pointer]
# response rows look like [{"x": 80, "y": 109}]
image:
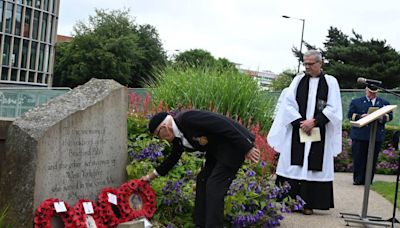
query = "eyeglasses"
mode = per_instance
[
  {"x": 157, "y": 135},
  {"x": 309, "y": 64}
]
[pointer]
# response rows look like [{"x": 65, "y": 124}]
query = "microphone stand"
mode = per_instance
[{"x": 393, "y": 220}]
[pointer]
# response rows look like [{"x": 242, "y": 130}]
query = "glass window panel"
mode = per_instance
[
  {"x": 44, "y": 27},
  {"x": 1, "y": 15},
  {"x": 31, "y": 77},
  {"x": 46, "y": 5},
  {"x": 4, "y": 73},
  {"x": 54, "y": 6},
  {"x": 22, "y": 76},
  {"x": 41, "y": 57},
  {"x": 39, "y": 78},
  {"x": 9, "y": 11},
  {"x": 14, "y": 57},
  {"x": 6, "y": 50},
  {"x": 48, "y": 60},
  {"x": 51, "y": 28},
  {"x": 29, "y": 2},
  {"x": 37, "y": 5},
  {"x": 19, "y": 1},
  {"x": 27, "y": 23},
  {"x": 14, "y": 73},
  {"x": 35, "y": 24},
  {"x": 33, "y": 55},
  {"x": 24, "y": 53},
  {"x": 18, "y": 18}
]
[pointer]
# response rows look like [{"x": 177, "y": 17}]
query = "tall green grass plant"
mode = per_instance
[{"x": 228, "y": 92}]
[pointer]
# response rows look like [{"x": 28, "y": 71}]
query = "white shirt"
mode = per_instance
[{"x": 180, "y": 135}]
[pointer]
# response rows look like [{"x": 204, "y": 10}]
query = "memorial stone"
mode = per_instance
[{"x": 69, "y": 148}]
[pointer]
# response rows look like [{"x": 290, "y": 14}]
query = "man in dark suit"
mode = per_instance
[
  {"x": 359, "y": 108},
  {"x": 226, "y": 143}
]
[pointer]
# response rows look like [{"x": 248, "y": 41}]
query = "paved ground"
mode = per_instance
[{"x": 349, "y": 199}]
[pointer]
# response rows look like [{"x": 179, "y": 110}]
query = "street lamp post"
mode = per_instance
[{"x": 301, "y": 41}]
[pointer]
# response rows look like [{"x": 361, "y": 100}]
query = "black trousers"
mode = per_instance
[
  {"x": 359, "y": 150},
  {"x": 212, "y": 185}
]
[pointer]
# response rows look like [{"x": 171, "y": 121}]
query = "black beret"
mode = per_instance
[
  {"x": 372, "y": 88},
  {"x": 156, "y": 120}
]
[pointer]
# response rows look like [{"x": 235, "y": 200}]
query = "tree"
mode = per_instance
[
  {"x": 202, "y": 58},
  {"x": 110, "y": 46},
  {"x": 348, "y": 58},
  {"x": 283, "y": 80}
]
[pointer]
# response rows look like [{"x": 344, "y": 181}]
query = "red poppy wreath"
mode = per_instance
[
  {"x": 81, "y": 219},
  {"x": 138, "y": 199},
  {"x": 109, "y": 213},
  {"x": 47, "y": 210}
]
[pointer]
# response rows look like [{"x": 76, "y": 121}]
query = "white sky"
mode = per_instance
[{"x": 250, "y": 32}]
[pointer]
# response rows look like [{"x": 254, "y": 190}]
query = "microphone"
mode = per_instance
[{"x": 368, "y": 81}]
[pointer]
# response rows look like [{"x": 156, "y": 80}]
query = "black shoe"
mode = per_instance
[{"x": 357, "y": 183}]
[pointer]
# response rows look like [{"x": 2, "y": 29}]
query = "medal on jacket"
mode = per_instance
[{"x": 202, "y": 140}]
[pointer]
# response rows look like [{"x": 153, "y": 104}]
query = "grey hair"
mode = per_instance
[{"x": 315, "y": 53}]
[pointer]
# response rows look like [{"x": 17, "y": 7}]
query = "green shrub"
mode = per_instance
[{"x": 227, "y": 92}]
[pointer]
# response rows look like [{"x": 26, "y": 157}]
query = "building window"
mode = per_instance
[
  {"x": 27, "y": 25},
  {"x": 44, "y": 27},
  {"x": 14, "y": 74},
  {"x": 18, "y": 18},
  {"x": 33, "y": 55},
  {"x": 24, "y": 53},
  {"x": 37, "y": 5},
  {"x": 31, "y": 77},
  {"x": 4, "y": 73},
  {"x": 51, "y": 28},
  {"x": 46, "y": 5},
  {"x": 39, "y": 78},
  {"x": 29, "y": 2},
  {"x": 22, "y": 76},
  {"x": 1, "y": 15},
  {"x": 35, "y": 25},
  {"x": 6, "y": 50},
  {"x": 15, "y": 55},
  {"x": 41, "y": 57},
  {"x": 19, "y": 1},
  {"x": 9, "y": 11}
]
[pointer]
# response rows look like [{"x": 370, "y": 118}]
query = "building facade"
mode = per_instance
[
  {"x": 28, "y": 30},
  {"x": 263, "y": 78}
]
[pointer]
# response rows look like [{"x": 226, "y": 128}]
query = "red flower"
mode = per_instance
[
  {"x": 147, "y": 197},
  {"x": 80, "y": 218},
  {"x": 109, "y": 213},
  {"x": 46, "y": 211}
]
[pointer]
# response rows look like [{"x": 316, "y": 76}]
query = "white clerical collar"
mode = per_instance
[{"x": 180, "y": 135}]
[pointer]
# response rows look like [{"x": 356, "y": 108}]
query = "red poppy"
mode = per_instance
[{"x": 46, "y": 211}]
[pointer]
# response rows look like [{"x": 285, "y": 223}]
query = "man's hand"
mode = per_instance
[
  {"x": 307, "y": 125},
  {"x": 253, "y": 155},
  {"x": 149, "y": 177}
]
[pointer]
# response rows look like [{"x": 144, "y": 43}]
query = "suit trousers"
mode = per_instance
[
  {"x": 360, "y": 154},
  {"x": 212, "y": 184}
]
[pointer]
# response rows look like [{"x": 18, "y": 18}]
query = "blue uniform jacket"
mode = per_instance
[{"x": 360, "y": 106}]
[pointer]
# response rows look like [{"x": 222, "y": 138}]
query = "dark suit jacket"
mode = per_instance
[
  {"x": 226, "y": 140},
  {"x": 360, "y": 106}
]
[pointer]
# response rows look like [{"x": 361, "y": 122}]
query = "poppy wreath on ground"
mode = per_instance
[
  {"x": 108, "y": 212},
  {"x": 46, "y": 211},
  {"x": 138, "y": 199},
  {"x": 81, "y": 218}
]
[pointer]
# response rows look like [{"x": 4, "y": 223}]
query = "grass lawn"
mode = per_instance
[{"x": 386, "y": 189}]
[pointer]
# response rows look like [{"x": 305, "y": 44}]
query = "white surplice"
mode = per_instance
[{"x": 280, "y": 134}]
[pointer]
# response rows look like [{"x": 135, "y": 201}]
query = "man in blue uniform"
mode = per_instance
[{"x": 359, "y": 108}]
